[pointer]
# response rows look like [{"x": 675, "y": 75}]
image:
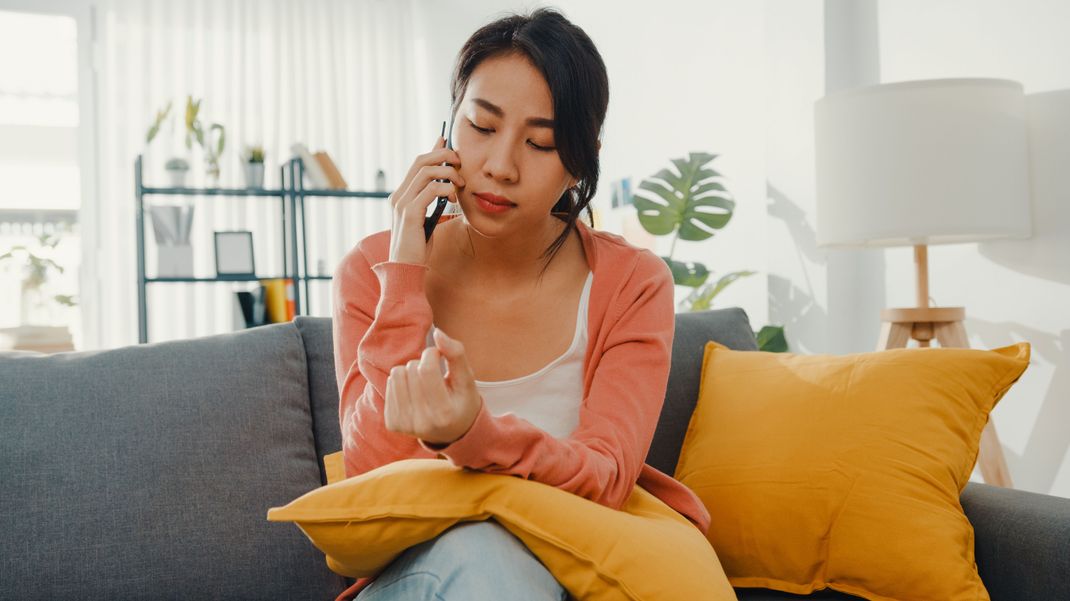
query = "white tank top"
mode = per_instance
[{"x": 549, "y": 398}]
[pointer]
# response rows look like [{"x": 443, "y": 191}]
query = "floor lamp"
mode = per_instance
[{"x": 923, "y": 163}]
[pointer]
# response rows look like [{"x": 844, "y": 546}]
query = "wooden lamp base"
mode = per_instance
[{"x": 923, "y": 323}]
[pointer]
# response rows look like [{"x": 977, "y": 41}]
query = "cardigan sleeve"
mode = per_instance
[
  {"x": 604, "y": 456},
  {"x": 381, "y": 317}
]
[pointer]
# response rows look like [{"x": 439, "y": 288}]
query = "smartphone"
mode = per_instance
[{"x": 432, "y": 220}]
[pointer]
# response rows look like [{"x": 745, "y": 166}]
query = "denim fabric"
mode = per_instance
[{"x": 471, "y": 561}]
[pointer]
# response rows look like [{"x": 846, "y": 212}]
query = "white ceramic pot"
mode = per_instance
[
  {"x": 254, "y": 175},
  {"x": 177, "y": 177}
]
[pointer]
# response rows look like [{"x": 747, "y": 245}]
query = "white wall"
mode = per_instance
[{"x": 1012, "y": 290}]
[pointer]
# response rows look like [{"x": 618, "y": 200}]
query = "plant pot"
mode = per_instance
[
  {"x": 174, "y": 261},
  {"x": 177, "y": 177},
  {"x": 254, "y": 175}
]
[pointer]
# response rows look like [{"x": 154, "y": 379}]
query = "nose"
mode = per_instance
[{"x": 501, "y": 164}]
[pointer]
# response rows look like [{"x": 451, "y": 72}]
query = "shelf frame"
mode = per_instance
[{"x": 291, "y": 196}]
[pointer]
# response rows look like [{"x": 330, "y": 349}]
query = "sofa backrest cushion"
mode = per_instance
[
  {"x": 147, "y": 471},
  {"x": 322, "y": 385},
  {"x": 731, "y": 327}
]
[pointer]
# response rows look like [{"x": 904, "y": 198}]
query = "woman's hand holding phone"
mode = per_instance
[{"x": 408, "y": 243}]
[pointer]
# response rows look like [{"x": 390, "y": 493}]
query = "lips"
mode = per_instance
[{"x": 495, "y": 199}]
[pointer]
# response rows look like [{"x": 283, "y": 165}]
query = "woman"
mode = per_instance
[{"x": 560, "y": 336}]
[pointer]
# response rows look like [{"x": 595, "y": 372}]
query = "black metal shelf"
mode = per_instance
[
  {"x": 345, "y": 193},
  {"x": 211, "y": 191},
  {"x": 251, "y": 278},
  {"x": 298, "y": 193},
  {"x": 291, "y": 204},
  {"x": 215, "y": 279}
]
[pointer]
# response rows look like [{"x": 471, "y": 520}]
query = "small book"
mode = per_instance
[
  {"x": 260, "y": 306},
  {"x": 250, "y": 309},
  {"x": 334, "y": 177},
  {"x": 242, "y": 312},
  {"x": 290, "y": 303},
  {"x": 275, "y": 299},
  {"x": 316, "y": 177}
]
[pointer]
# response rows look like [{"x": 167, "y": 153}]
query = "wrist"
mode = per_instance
[{"x": 440, "y": 445}]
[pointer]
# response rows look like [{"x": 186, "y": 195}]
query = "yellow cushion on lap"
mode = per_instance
[
  {"x": 644, "y": 552},
  {"x": 845, "y": 471}
]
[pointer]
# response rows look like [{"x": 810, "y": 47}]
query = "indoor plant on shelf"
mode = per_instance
[
  {"x": 680, "y": 203},
  {"x": 254, "y": 166},
  {"x": 177, "y": 166}
]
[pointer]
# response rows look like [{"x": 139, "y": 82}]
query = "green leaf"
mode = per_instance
[
  {"x": 155, "y": 128},
  {"x": 65, "y": 299},
  {"x": 687, "y": 274},
  {"x": 222, "y": 135},
  {"x": 771, "y": 339},
  {"x": 689, "y": 201}
]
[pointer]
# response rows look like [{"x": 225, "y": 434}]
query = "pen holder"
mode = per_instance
[{"x": 174, "y": 261}]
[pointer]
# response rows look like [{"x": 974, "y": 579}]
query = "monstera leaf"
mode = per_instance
[
  {"x": 691, "y": 201},
  {"x": 771, "y": 339},
  {"x": 687, "y": 273}
]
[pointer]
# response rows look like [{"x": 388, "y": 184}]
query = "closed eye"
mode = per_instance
[{"x": 486, "y": 132}]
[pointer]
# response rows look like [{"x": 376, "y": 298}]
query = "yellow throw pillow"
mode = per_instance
[
  {"x": 845, "y": 471},
  {"x": 647, "y": 551}
]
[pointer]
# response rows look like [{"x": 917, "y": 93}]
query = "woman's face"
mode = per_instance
[{"x": 504, "y": 135}]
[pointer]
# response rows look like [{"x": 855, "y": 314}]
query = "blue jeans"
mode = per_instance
[{"x": 472, "y": 561}]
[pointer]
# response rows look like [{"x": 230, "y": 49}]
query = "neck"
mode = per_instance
[{"x": 506, "y": 260}]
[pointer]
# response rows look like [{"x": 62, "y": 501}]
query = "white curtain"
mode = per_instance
[{"x": 343, "y": 76}]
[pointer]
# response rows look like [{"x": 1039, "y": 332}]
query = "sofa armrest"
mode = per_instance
[{"x": 1022, "y": 542}]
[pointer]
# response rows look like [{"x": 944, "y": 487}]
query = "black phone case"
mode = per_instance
[{"x": 431, "y": 221}]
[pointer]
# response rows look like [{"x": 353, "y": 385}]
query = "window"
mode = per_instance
[{"x": 40, "y": 181}]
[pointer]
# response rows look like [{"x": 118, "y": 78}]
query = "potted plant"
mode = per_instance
[
  {"x": 177, "y": 166},
  {"x": 254, "y": 166},
  {"x": 687, "y": 203},
  {"x": 212, "y": 150},
  {"x": 36, "y": 267}
]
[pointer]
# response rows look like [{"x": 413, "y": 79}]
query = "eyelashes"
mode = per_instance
[{"x": 484, "y": 131}]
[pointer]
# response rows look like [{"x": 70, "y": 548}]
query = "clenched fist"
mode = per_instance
[{"x": 423, "y": 402}]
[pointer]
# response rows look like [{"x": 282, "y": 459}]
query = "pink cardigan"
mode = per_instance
[{"x": 381, "y": 319}]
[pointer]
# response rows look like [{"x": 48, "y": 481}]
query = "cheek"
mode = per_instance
[{"x": 463, "y": 138}]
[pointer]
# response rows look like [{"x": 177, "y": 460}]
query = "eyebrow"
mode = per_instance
[{"x": 497, "y": 111}]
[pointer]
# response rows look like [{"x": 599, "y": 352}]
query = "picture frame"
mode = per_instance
[{"x": 234, "y": 257}]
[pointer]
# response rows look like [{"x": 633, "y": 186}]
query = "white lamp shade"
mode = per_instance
[{"x": 922, "y": 162}]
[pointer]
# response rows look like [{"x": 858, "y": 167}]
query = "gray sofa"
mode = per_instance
[{"x": 147, "y": 471}]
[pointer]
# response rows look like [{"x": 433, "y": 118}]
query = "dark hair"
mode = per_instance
[{"x": 579, "y": 88}]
